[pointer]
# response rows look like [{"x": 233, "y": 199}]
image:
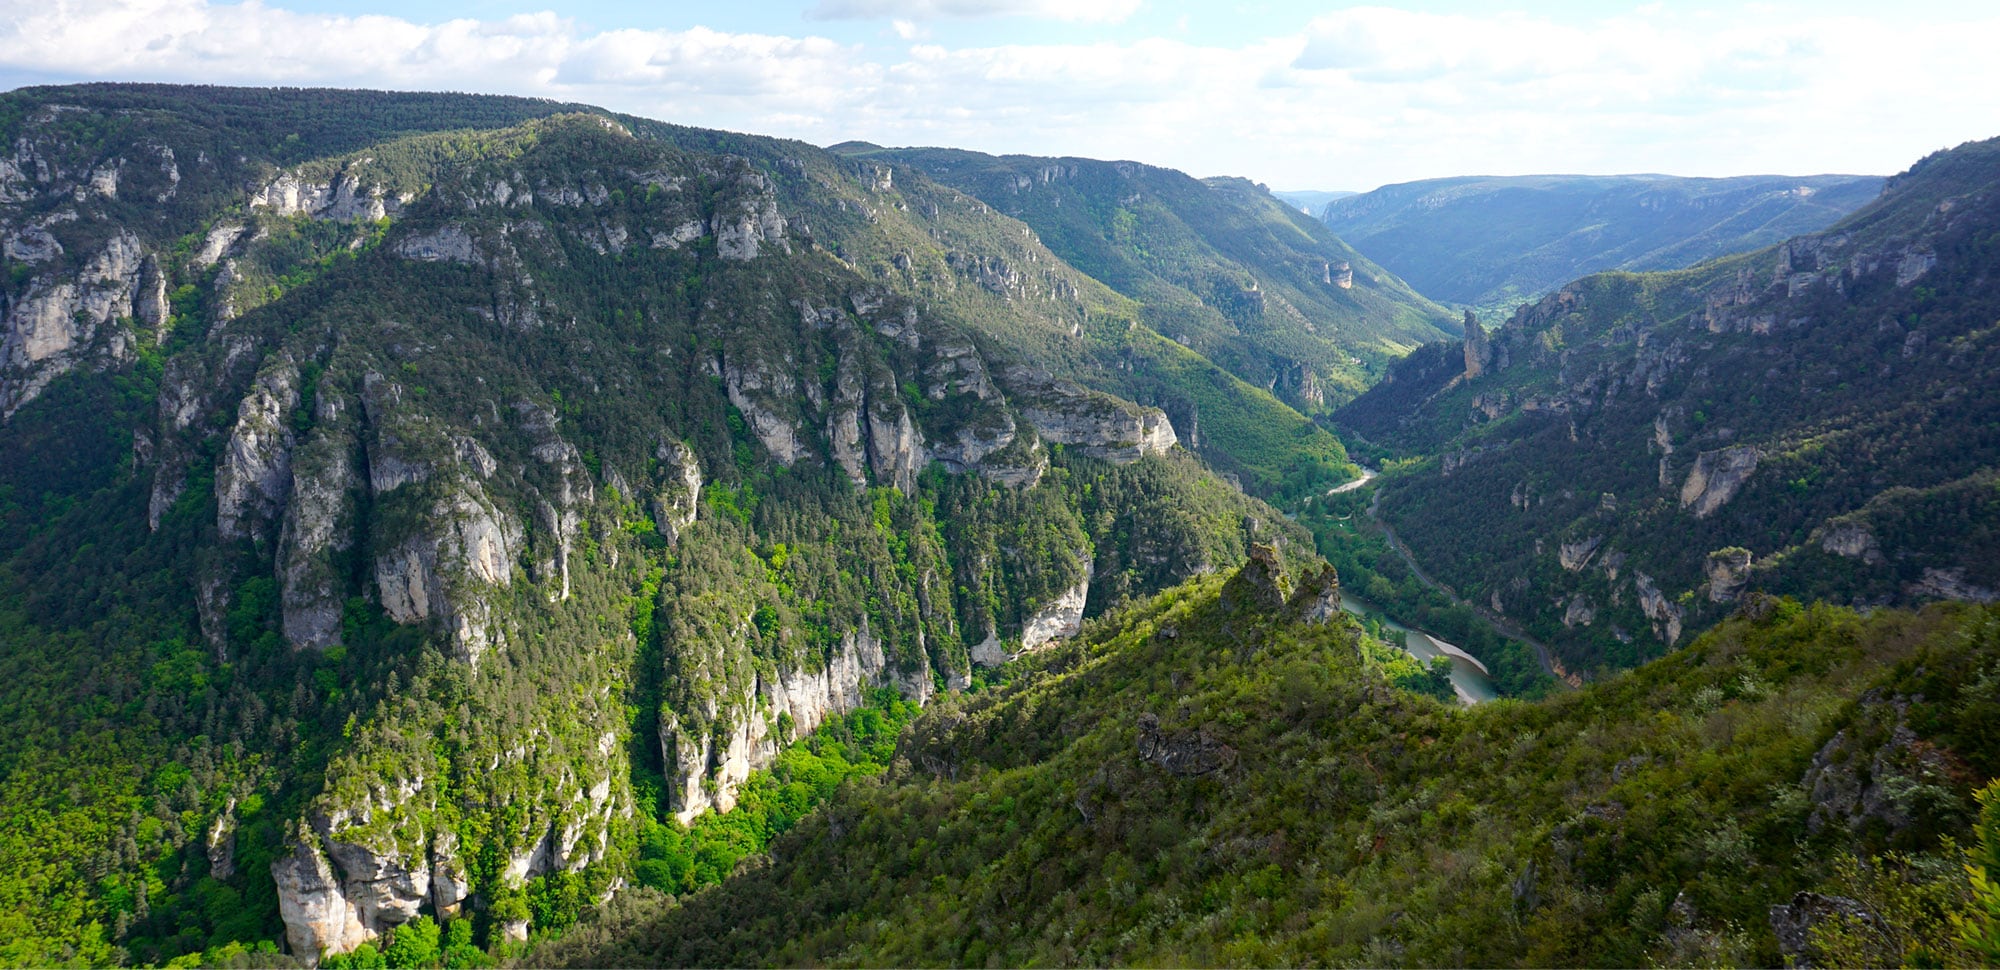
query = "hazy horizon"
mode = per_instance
[{"x": 1284, "y": 93}]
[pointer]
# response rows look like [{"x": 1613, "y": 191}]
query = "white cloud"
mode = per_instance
[
  {"x": 1087, "y": 11},
  {"x": 1356, "y": 98}
]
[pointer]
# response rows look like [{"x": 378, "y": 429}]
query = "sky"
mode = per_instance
[{"x": 1296, "y": 95}]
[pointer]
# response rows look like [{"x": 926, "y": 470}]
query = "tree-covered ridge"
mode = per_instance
[
  {"x": 1219, "y": 265},
  {"x": 1493, "y": 243},
  {"x": 1201, "y": 779},
  {"x": 1639, "y": 449},
  {"x": 450, "y": 544}
]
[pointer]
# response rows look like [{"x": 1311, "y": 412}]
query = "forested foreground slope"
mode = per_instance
[
  {"x": 408, "y": 506},
  {"x": 1615, "y": 465},
  {"x": 1215, "y": 777}
]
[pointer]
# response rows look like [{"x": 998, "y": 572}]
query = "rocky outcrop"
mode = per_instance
[
  {"x": 319, "y": 917},
  {"x": 763, "y": 394},
  {"x": 217, "y": 244},
  {"x": 1575, "y": 555},
  {"x": 371, "y": 854},
  {"x": 1478, "y": 349},
  {"x": 678, "y": 496},
  {"x": 1665, "y": 614},
  {"x": 1950, "y": 584},
  {"x": 1580, "y": 612},
  {"x": 1317, "y": 598},
  {"x": 31, "y": 244},
  {"x": 1851, "y": 539},
  {"x": 461, "y": 543},
  {"x": 254, "y": 477},
  {"x": 1059, "y": 618},
  {"x": 1793, "y": 924},
  {"x": 1716, "y": 477},
  {"x": 341, "y": 199},
  {"x": 705, "y": 768},
  {"x": 56, "y": 324},
  {"x": 746, "y": 216},
  {"x": 438, "y": 574},
  {"x": 1097, "y": 424},
  {"x": 1189, "y": 754},
  {"x": 221, "y": 844},
  {"x": 1261, "y": 586},
  {"x": 319, "y": 526},
  {"x": 445, "y": 244},
  {"x": 1877, "y": 771},
  {"x": 1728, "y": 572}
]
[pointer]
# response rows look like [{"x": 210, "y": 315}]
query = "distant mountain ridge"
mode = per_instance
[
  {"x": 1617, "y": 463},
  {"x": 1218, "y": 265},
  {"x": 1492, "y": 242}
]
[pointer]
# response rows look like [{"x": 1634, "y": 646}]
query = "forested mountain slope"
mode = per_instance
[
  {"x": 1219, "y": 265},
  {"x": 1215, "y": 777},
  {"x": 1616, "y": 464},
  {"x": 404, "y": 504},
  {"x": 1495, "y": 242}
]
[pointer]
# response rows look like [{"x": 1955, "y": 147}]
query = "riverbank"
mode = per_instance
[{"x": 1505, "y": 627}]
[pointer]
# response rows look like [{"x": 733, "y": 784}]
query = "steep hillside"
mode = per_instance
[
  {"x": 1617, "y": 463},
  {"x": 1213, "y": 778},
  {"x": 400, "y": 527},
  {"x": 1219, "y": 265},
  {"x": 1494, "y": 243}
]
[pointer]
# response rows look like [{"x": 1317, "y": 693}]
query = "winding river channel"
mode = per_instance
[{"x": 1468, "y": 676}]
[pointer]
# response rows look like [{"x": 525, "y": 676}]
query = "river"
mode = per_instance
[{"x": 1468, "y": 675}]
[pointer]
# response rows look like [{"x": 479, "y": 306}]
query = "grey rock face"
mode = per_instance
[
  {"x": 318, "y": 526},
  {"x": 1853, "y": 540},
  {"x": 1793, "y": 923},
  {"x": 255, "y": 474},
  {"x": 706, "y": 770},
  {"x": 218, "y": 243},
  {"x": 1058, "y": 619},
  {"x": 1317, "y": 599},
  {"x": 319, "y": 918},
  {"x": 1665, "y": 614},
  {"x": 754, "y": 390},
  {"x": 1478, "y": 350},
  {"x": 678, "y": 497},
  {"x": 344, "y": 199},
  {"x": 1575, "y": 555},
  {"x": 221, "y": 844},
  {"x": 449, "y": 244},
  {"x": 747, "y": 218},
  {"x": 464, "y": 545},
  {"x": 31, "y": 244},
  {"x": 1728, "y": 573},
  {"x": 1188, "y": 754},
  {"x": 1950, "y": 584},
  {"x": 56, "y": 322},
  {"x": 1097, "y": 424},
  {"x": 1581, "y": 612},
  {"x": 1716, "y": 477}
]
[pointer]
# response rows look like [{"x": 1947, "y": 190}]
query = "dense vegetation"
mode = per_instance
[
  {"x": 1492, "y": 243},
  {"x": 169, "y": 737},
  {"x": 1199, "y": 780},
  {"x": 1219, "y": 265},
  {"x": 1349, "y": 539},
  {"x": 1850, "y": 364},
  {"x": 451, "y": 534}
]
